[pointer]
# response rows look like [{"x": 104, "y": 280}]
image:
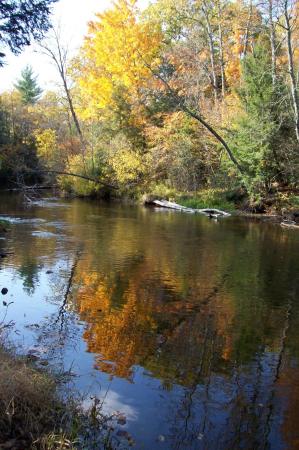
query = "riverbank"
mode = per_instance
[
  {"x": 4, "y": 226},
  {"x": 34, "y": 416},
  {"x": 276, "y": 207},
  {"x": 31, "y": 415},
  {"x": 38, "y": 410}
]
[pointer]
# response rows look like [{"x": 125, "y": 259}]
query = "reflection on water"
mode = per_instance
[{"x": 190, "y": 327}]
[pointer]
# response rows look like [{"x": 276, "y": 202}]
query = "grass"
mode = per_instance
[
  {"x": 285, "y": 202},
  {"x": 33, "y": 416},
  {"x": 294, "y": 200},
  {"x": 208, "y": 198},
  {"x": 205, "y": 198},
  {"x": 4, "y": 225},
  {"x": 29, "y": 407}
]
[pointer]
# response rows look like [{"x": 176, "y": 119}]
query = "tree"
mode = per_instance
[
  {"x": 289, "y": 26},
  {"x": 58, "y": 53},
  {"x": 112, "y": 59},
  {"x": 28, "y": 87},
  {"x": 262, "y": 130},
  {"x": 22, "y": 21},
  {"x": 18, "y": 158}
]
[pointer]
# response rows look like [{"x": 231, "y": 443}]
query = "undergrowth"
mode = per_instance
[{"x": 33, "y": 416}]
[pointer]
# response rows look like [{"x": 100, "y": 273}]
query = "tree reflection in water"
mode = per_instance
[{"x": 209, "y": 311}]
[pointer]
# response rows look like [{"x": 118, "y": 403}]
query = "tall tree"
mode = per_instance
[
  {"x": 289, "y": 25},
  {"x": 58, "y": 53},
  {"x": 21, "y": 21},
  {"x": 28, "y": 86},
  {"x": 112, "y": 58},
  {"x": 263, "y": 126}
]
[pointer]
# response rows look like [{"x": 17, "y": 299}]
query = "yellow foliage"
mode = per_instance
[
  {"x": 116, "y": 54},
  {"x": 78, "y": 164},
  {"x": 127, "y": 165},
  {"x": 48, "y": 149},
  {"x": 46, "y": 142}
]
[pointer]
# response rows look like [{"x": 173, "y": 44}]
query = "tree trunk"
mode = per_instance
[
  {"x": 72, "y": 109},
  {"x": 216, "y": 135},
  {"x": 246, "y": 38},
  {"x": 59, "y": 58},
  {"x": 295, "y": 98},
  {"x": 272, "y": 41},
  {"x": 181, "y": 104},
  {"x": 221, "y": 53},
  {"x": 212, "y": 51},
  {"x": 84, "y": 177}
]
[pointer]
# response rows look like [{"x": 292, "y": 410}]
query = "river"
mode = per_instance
[{"x": 187, "y": 326}]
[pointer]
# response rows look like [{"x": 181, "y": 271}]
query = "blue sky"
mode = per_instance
[{"x": 73, "y": 17}]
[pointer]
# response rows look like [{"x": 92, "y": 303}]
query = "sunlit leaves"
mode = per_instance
[{"x": 117, "y": 52}]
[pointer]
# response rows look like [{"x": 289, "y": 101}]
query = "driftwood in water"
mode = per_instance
[
  {"x": 290, "y": 224},
  {"x": 211, "y": 212}
]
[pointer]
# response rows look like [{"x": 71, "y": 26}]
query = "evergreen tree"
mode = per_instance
[
  {"x": 263, "y": 126},
  {"x": 28, "y": 87}
]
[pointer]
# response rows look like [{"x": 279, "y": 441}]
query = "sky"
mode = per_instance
[{"x": 73, "y": 17}]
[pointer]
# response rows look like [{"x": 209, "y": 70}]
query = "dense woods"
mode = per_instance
[{"x": 184, "y": 96}]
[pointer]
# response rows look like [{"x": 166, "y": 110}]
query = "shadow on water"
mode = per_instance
[{"x": 190, "y": 327}]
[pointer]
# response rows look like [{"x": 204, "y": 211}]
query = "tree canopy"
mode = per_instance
[
  {"x": 184, "y": 96},
  {"x": 21, "y": 21}
]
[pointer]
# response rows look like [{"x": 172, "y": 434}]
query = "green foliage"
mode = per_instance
[
  {"x": 160, "y": 190},
  {"x": 28, "y": 86},
  {"x": 18, "y": 158},
  {"x": 208, "y": 198},
  {"x": 4, "y": 226},
  {"x": 204, "y": 198},
  {"x": 263, "y": 124},
  {"x": 79, "y": 165},
  {"x": 294, "y": 200}
]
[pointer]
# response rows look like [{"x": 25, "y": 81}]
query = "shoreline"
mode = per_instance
[
  {"x": 34, "y": 413},
  {"x": 276, "y": 213}
]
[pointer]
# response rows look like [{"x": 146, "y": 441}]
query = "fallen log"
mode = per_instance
[
  {"x": 32, "y": 188},
  {"x": 171, "y": 205},
  {"x": 210, "y": 212},
  {"x": 84, "y": 177},
  {"x": 289, "y": 224}
]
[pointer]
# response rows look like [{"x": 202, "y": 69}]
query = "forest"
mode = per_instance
[
  {"x": 191, "y": 100},
  {"x": 124, "y": 326}
]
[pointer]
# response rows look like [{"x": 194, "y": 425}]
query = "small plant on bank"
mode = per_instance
[{"x": 33, "y": 416}]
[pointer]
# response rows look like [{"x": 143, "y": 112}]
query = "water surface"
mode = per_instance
[{"x": 188, "y": 326}]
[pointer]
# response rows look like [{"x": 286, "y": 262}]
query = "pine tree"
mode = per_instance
[
  {"x": 263, "y": 126},
  {"x": 28, "y": 87}
]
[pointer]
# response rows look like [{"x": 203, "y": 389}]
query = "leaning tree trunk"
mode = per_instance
[{"x": 197, "y": 116}]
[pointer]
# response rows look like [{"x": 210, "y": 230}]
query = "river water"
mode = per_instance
[{"x": 187, "y": 326}]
